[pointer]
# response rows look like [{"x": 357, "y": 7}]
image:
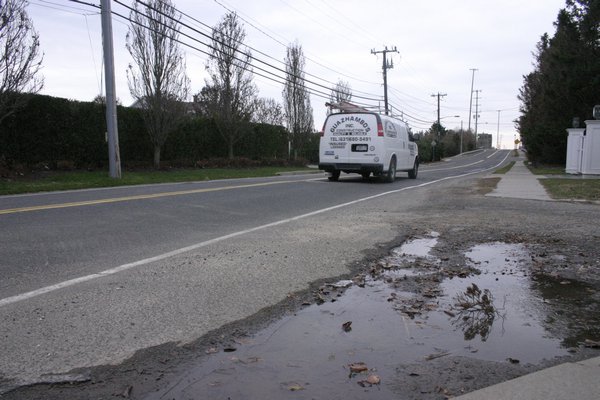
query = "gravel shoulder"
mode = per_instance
[{"x": 562, "y": 236}]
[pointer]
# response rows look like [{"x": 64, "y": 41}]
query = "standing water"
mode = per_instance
[{"x": 503, "y": 313}]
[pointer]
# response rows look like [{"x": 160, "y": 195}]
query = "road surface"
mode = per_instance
[{"x": 89, "y": 277}]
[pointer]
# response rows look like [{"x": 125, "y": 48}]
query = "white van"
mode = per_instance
[{"x": 365, "y": 143}]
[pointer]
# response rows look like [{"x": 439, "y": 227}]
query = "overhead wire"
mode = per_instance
[
  {"x": 259, "y": 51},
  {"x": 60, "y": 7},
  {"x": 267, "y": 72},
  {"x": 311, "y": 59},
  {"x": 243, "y": 53}
]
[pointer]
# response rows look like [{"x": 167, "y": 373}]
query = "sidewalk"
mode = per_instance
[
  {"x": 520, "y": 183},
  {"x": 579, "y": 380}
]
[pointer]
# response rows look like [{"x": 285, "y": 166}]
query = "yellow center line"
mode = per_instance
[{"x": 138, "y": 197}]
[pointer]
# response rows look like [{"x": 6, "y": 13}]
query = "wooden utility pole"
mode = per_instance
[
  {"x": 438, "y": 95},
  {"x": 476, "y": 116},
  {"x": 385, "y": 67},
  {"x": 114, "y": 158},
  {"x": 471, "y": 100}
]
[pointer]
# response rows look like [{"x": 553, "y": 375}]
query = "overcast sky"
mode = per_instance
[{"x": 438, "y": 42}]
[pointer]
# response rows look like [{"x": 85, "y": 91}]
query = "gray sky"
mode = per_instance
[{"x": 438, "y": 42}]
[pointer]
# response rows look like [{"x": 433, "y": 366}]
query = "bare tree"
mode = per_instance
[
  {"x": 158, "y": 80},
  {"x": 296, "y": 100},
  {"x": 267, "y": 111},
  {"x": 341, "y": 92},
  {"x": 20, "y": 58},
  {"x": 229, "y": 95}
]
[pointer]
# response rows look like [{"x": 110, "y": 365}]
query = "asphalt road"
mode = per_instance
[{"x": 89, "y": 277}]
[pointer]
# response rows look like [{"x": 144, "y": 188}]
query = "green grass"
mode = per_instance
[
  {"x": 547, "y": 169},
  {"x": 580, "y": 189},
  {"x": 52, "y": 181},
  {"x": 505, "y": 169}
]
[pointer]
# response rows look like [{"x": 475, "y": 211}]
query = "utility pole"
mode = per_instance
[
  {"x": 114, "y": 158},
  {"x": 471, "y": 101},
  {"x": 438, "y": 95},
  {"x": 461, "y": 136},
  {"x": 476, "y": 116},
  {"x": 385, "y": 66},
  {"x": 498, "y": 132}
]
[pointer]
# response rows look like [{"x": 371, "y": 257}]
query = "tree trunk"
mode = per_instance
[
  {"x": 156, "y": 157},
  {"x": 230, "y": 155}
]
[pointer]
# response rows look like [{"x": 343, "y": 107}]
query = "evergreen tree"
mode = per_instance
[{"x": 565, "y": 82}]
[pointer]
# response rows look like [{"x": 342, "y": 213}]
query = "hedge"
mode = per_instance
[{"x": 59, "y": 133}]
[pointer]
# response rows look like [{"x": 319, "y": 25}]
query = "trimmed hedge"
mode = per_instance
[{"x": 56, "y": 133}]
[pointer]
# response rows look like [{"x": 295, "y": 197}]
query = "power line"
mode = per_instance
[
  {"x": 60, "y": 7},
  {"x": 241, "y": 52},
  {"x": 340, "y": 73}
]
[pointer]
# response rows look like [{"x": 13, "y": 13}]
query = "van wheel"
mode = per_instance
[
  {"x": 412, "y": 174},
  {"x": 366, "y": 175},
  {"x": 390, "y": 176},
  {"x": 334, "y": 176}
]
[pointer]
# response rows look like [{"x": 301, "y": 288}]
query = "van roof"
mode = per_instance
[{"x": 378, "y": 115}]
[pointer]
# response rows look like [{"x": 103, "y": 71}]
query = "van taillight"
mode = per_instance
[
  {"x": 380, "y": 129},
  {"x": 323, "y": 130}
]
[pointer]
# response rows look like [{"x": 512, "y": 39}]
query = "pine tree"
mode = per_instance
[{"x": 565, "y": 82}]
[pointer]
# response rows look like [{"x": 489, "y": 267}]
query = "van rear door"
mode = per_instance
[{"x": 348, "y": 137}]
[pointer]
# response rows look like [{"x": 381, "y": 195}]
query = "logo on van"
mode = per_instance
[
  {"x": 390, "y": 129},
  {"x": 347, "y": 126}
]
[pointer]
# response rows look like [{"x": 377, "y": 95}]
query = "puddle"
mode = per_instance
[
  {"x": 309, "y": 352},
  {"x": 515, "y": 330},
  {"x": 413, "y": 258},
  {"x": 417, "y": 248},
  {"x": 307, "y": 356}
]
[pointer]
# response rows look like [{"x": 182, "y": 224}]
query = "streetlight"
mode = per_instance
[{"x": 451, "y": 116}]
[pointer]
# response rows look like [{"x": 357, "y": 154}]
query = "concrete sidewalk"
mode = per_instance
[
  {"x": 579, "y": 380},
  {"x": 520, "y": 183}
]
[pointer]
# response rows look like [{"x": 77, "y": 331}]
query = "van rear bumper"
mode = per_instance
[{"x": 358, "y": 168}]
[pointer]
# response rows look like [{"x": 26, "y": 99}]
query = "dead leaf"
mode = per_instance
[
  {"x": 442, "y": 390},
  {"x": 358, "y": 367},
  {"x": 591, "y": 344},
  {"x": 127, "y": 392},
  {"x": 295, "y": 387},
  {"x": 450, "y": 313},
  {"x": 251, "y": 360},
  {"x": 436, "y": 355},
  {"x": 347, "y": 326},
  {"x": 370, "y": 381},
  {"x": 212, "y": 350}
]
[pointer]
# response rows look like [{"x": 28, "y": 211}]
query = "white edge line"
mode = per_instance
[{"x": 125, "y": 267}]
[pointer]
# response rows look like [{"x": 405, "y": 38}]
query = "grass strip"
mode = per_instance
[
  {"x": 578, "y": 189},
  {"x": 72, "y": 180},
  {"x": 546, "y": 169},
  {"x": 505, "y": 169}
]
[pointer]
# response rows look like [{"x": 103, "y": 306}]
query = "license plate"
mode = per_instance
[{"x": 360, "y": 147}]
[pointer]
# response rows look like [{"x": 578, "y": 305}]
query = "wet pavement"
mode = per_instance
[{"x": 356, "y": 340}]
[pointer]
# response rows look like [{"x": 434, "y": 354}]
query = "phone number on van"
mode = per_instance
[{"x": 350, "y": 139}]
